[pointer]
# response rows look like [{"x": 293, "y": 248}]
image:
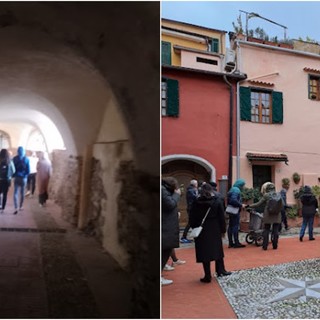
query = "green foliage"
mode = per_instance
[
  {"x": 297, "y": 193},
  {"x": 238, "y": 27},
  {"x": 308, "y": 39},
  {"x": 250, "y": 194},
  {"x": 261, "y": 34},
  {"x": 296, "y": 177},
  {"x": 292, "y": 212},
  {"x": 316, "y": 191},
  {"x": 285, "y": 182}
]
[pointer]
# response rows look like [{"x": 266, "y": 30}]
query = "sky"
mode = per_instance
[{"x": 302, "y": 18}]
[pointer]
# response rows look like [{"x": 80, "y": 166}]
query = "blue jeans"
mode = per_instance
[
  {"x": 307, "y": 221},
  {"x": 19, "y": 184},
  {"x": 233, "y": 229}
]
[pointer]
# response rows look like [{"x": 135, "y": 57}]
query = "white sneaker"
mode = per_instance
[
  {"x": 178, "y": 262},
  {"x": 168, "y": 268},
  {"x": 165, "y": 282}
]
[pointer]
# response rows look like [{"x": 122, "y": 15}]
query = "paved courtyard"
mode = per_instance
[{"x": 281, "y": 284}]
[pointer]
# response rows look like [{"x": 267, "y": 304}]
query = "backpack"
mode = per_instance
[
  {"x": 274, "y": 205},
  {"x": 4, "y": 170}
]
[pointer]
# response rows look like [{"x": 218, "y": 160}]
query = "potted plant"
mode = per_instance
[
  {"x": 316, "y": 193},
  {"x": 292, "y": 215},
  {"x": 296, "y": 177},
  {"x": 297, "y": 193},
  {"x": 285, "y": 183}
]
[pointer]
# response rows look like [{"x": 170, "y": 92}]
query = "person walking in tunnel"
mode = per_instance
[
  {"x": 31, "y": 182},
  {"x": 7, "y": 170},
  {"x": 22, "y": 166},
  {"x": 44, "y": 170}
]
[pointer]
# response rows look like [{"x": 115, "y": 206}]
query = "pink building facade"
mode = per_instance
[{"x": 279, "y": 116}]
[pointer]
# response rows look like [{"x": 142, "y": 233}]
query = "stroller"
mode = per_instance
[{"x": 255, "y": 228}]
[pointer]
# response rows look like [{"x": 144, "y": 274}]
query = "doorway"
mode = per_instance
[
  {"x": 260, "y": 175},
  {"x": 184, "y": 171}
]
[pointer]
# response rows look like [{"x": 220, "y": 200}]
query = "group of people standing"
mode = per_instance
[
  {"x": 18, "y": 169},
  {"x": 204, "y": 202}
]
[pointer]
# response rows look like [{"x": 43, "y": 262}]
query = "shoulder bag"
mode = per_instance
[
  {"x": 232, "y": 210},
  {"x": 195, "y": 232}
]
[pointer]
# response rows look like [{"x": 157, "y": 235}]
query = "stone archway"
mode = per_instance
[{"x": 75, "y": 64}]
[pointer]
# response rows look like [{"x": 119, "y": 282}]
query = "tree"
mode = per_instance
[{"x": 238, "y": 28}]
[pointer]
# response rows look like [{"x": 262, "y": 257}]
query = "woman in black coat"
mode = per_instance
[
  {"x": 309, "y": 208},
  {"x": 209, "y": 243},
  {"x": 170, "y": 194}
]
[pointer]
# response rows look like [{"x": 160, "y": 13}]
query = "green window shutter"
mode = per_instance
[
  {"x": 165, "y": 52},
  {"x": 172, "y": 98},
  {"x": 277, "y": 107},
  {"x": 214, "y": 45},
  {"x": 245, "y": 104}
]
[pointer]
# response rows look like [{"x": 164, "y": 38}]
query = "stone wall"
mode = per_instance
[
  {"x": 64, "y": 186},
  {"x": 139, "y": 230}
]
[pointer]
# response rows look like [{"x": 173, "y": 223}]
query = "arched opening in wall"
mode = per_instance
[
  {"x": 184, "y": 171},
  {"x": 5, "y": 142},
  {"x": 36, "y": 141}
]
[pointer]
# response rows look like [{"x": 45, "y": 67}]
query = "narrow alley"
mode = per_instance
[{"x": 48, "y": 269}]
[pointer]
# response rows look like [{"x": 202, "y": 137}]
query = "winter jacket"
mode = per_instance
[
  {"x": 309, "y": 203},
  {"x": 21, "y": 164},
  {"x": 191, "y": 195},
  {"x": 170, "y": 219},
  {"x": 208, "y": 245},
  {"x": 234, "y": 195},
  {"x": 267, "y": 218},
  {"x": 8, "y": 170}
]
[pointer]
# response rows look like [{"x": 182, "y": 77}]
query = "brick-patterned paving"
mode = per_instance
[{"x": 188, "y": 298}]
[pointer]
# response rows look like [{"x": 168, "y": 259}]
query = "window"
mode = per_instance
[
  {"x": 214, "y": 45},
  {"x": 261, "y": 106},
  {"x": 165, "y": 52},
  {"x": 314, "y": 85},
  {"x": 169, "y": 97}
]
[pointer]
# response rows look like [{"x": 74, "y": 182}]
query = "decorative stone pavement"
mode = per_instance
[{"x": 282, "y": 283}]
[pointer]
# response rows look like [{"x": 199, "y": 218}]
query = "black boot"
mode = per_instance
[
  {"x": 220, "y": 268},
  {"x": 207, "y": 272}
]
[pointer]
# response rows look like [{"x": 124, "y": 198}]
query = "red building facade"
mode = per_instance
[{"x": 196, "y": 139}]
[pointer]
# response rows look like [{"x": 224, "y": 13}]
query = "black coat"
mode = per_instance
[
  {"x": 309, "y": 205},
  {"x": 209, "y": 243},
  {"x": 170, "y": 219}
]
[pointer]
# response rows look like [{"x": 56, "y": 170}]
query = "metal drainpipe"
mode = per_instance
[{"x": 230, "y": 132}]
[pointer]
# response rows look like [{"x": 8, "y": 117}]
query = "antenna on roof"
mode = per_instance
[{"x": 250, "y": 15}]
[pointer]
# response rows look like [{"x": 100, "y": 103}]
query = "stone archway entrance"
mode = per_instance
[{"x": 184, "y": 171}]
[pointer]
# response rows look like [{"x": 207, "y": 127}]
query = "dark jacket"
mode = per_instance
[
  {"x": 267, "y": 218},
  {"x": 170, "y": 219},
  {"x": 309, "y": 203},
  {"x": 209, "y": 243},
  {"x": 191, "y": 195},
  {"x": 283, "y": 193},
  {"x": 234, "y": 195},
  {"x": 21, "y": 164}
]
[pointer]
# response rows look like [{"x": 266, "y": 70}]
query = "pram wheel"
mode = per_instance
[
  {"x": 249, "y": 238},
  {"x": 259, "y": 240}
]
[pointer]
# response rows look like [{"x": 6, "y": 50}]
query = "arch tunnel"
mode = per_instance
[{"x": 70, "y": 75}]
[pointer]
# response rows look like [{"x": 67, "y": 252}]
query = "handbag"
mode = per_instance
[
  {"x": 232, "y": 210},
  {"x": 195, "y": 232}
]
